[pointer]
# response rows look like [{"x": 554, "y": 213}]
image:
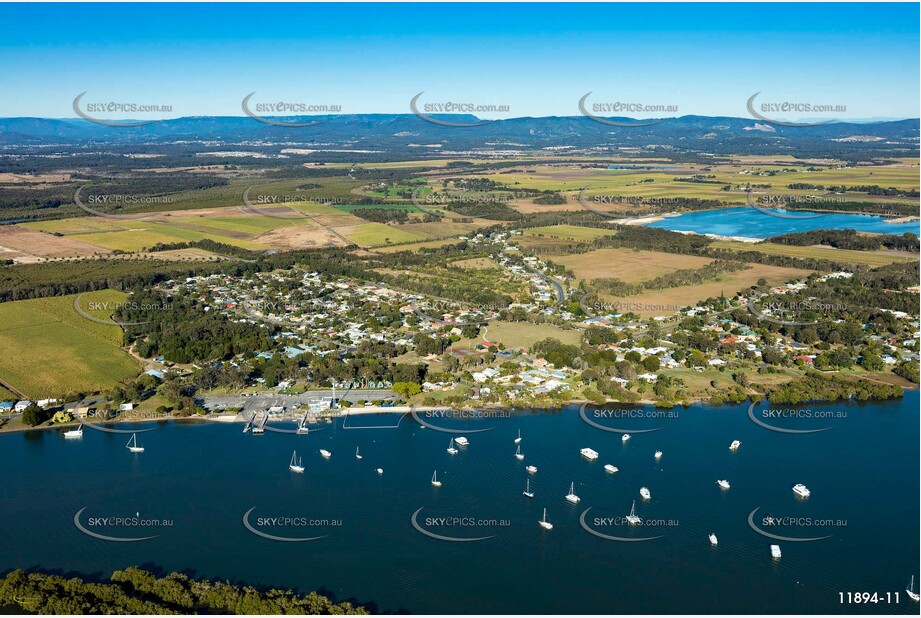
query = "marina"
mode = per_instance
[{"x": 483, "y": 481}]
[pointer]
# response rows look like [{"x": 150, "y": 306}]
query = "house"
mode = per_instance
[
  {"x": 6, "y": 407},
  {"x": 126, "y": 407},
  {"x": 22, "y": 405}
]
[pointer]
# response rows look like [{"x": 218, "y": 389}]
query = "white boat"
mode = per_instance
[
  {"x": 518, "y": 455},
  {"x": 546, "y": 525},
  {"x": 713, "y": 540},
  {"x": 775, "y": 551},
  {"x": 571, "y": 496},
  {"x": 518, "y": 439},
  {"x": 451, "y": 449},
  {"x": 735, "y": 445},
  {"x": 911, "y": 590},
  {"x": 801, "y": 490},
  {"x": 589, "y": 454},
  {"x": 326, "y": 454},
  {"x": 723, "y": 483},
  {"x": 527, "y": 490},
  {"x": 380, "y": 470},
  {"x": 462, "y": 441},
  {"x": 133, "y": 444},
  {"x": 644, "y": 493},
  {"x": 531, "y": 469},
  {"x": 632, "y": 518},
  {"x": 302, "y": 428},
  {"x": 74, "y": 433},
  {"x": 357, "y": 454},
  {"x": 295, "y": 465},
  {"x": 611, "y": 469},
  {"x": 658, "y": 455},
  {"x": 625, "y": 437},
  {"x": 435, "y": 481}
]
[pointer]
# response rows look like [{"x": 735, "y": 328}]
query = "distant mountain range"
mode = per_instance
[{"x": 407, "y": 132}]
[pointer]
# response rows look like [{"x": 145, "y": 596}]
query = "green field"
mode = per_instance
[
  {"x": 50, "y": 350},
  {"x": 845, "y": 256},
  {"x": 374, "y": 234}
]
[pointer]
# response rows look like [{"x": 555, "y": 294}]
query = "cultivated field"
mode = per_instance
[
  {"x": 667, "y": 301},
  {"x": 627, "y": 265},
  {"x": 49, "y": 349},
  {"x": 568, "y": 232}
]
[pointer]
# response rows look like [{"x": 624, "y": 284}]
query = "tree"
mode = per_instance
[
  {"x": 651, "y": 363},
  {"x": 33, "y": 415},
  {"x": 406, "y": 389}
]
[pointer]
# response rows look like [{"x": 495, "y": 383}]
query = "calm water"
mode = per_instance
[
  {"x": 752, "y": 223},
  {"x": 205, "y": 476}
]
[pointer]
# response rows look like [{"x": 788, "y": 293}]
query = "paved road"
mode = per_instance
[{"x": 560, "y": 291}]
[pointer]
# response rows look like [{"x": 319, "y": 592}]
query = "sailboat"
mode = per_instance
[
  {"x": 518, "y": 439},
  {"x": 302, "y": 428},
  {"x": 518, "y": 454},
  {"x": 435, "y": 481},
  {"x": 527, "y": 490},
  {"x": 74, "y": 433},
  {"x": 633, "y": 519},
  {"x": 546, "y": 525},
  {"x": 911, "y": 590},
  {"x": 451, "y": 449},
  {"x": 571, "y": 496},
  {"x": 133, "y": 444},
  {"x": 295, "y": 465},
  {"x": 357, "y": 454}
]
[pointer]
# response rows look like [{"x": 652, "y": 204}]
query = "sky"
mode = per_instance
[{"x": 537, "y": 59}]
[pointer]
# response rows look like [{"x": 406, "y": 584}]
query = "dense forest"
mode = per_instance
[
  {"x": 135, "y": 591},
  {"x": 850, "y": 239}
]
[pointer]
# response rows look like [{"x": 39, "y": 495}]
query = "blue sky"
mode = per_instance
[{"x": 538, "y": 59}]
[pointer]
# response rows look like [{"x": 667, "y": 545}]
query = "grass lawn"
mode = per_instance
[
  {"x": 373, "y": 234},
  {"x": 49, "y": 349},
  {"x": 524, "y": 334}
]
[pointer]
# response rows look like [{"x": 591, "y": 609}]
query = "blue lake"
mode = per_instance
[
  {"x": 204, "y": 477},
  {"x": 749, "y": 222}
]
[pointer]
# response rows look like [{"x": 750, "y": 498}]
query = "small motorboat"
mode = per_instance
[
  {"x": 723, "y": 483},
  {"x": 326, "y": 454},
  {"x": 590, "y": 454},
  {"x": 531, "y": 469},
  {"x": 658, "y": 455},
  {"x": 74, "y": 433},
  {"x": 644, "y": 493},
  {"x": 801, "y": 490},
  {"x": 713, "y": 540},
  {"x": 775, "y": 551},
  {"x": 610, "y": 469},
  {"x": 625, "y": 437},
  {"x": 735, "y": 445}
]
